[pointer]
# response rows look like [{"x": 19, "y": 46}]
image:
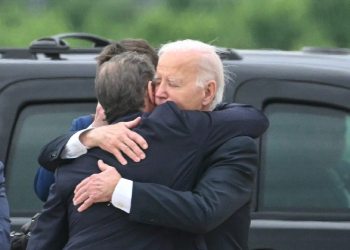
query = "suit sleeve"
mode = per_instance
[
  {"x": 4, "y": 214},
  {"x": 51, "y": 230},
  {"x": 245, "y": 119},
  {"x": 49, "y": 157},
  {"x": 224, "y": 187},
  {"x": 211, "y": 129},
  {"x": 234, "y": 120},
  {"x": 42, "y": 183}
]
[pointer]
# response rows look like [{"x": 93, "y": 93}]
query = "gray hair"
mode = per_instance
[
  {"x": 210, "y": 65},
  {"x": 121, "y": 84}
]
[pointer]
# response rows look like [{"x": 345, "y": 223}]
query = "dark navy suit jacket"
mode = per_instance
[
  {"x": 178, "y": 142},
  {"x": 44, "y": 178},
  {"x": 4, "y": 213},
  {"x": 218, "y": 207}
]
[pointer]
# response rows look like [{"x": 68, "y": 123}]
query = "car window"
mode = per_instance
[
  {"x": 306, "y": 160},
  {"x": 36, "y": 126}
]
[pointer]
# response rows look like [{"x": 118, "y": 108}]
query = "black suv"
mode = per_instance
[{"x": 302, "y": 195}]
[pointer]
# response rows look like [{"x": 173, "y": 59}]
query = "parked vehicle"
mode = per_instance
[{"x": 302, "y": 195}]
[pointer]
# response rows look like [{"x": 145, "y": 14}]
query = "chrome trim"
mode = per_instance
[{"x": 284, "y": 224}]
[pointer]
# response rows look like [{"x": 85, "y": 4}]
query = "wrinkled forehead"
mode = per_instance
[{"x": 178, "y": 64}]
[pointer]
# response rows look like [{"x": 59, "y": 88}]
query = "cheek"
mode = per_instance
[
  {"x": 156, "y": 88},
  {"x": 173, "y": 93},
  {"x": 195, "y": 94},
  {"x": 182, "y": 98}
]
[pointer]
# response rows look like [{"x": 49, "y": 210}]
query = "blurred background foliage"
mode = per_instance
[{"x": 243, "y": 24}]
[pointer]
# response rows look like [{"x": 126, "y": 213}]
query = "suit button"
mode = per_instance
[{"x": 53, "y": 154}]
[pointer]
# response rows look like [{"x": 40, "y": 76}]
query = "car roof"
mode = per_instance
[
  {"x": 328, "y": 68},
  {"x": 297, "y": 58},
  {"x": 52, "y": 57}
]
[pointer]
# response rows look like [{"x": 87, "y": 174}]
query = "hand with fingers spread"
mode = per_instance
[
  {"x": 117, "y": 138},
  {"x": 97, "y": 187}
]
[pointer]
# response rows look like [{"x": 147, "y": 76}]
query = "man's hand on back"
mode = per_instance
[
  {"x": 97, "y": 187},
  {"x": 117, "y": 138}
]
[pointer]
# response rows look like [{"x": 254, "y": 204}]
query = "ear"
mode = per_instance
[
  {"x": 150, "y": 99},
  {"x": 151, "y": 92},
  {"x": 209, "y": 93}
]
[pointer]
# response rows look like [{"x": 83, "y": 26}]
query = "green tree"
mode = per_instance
[
  {"x": 247, "y": 24},
  {"x": 333, "y": 17},
  {"x": 19, "y": 27}
]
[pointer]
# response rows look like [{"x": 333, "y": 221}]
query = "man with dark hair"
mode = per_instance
[
  {"x": 44, "y": 178},
  {"x": 138, "y": 45},
  {"x": 115, "y": 95},
  {"x": 4, "y": 213},
  {"x": 179, "y": 142}
]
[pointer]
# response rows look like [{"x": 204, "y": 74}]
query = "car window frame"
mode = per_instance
[{"x": 262, "y": 92}]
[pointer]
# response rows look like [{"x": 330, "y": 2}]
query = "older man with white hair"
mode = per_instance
[{"x": 190, "y": 74}]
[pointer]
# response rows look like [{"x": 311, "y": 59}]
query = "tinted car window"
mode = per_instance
[
  {"x": 36, "y": 125},
  {"x": 306, "y": 162}
]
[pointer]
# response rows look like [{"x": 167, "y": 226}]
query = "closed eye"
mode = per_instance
[
  {"x": 174, "y": 83},
  {"x": 157, "y": 81}
]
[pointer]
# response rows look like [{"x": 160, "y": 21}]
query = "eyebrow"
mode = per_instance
[
  {"x": 170, "y": 80},
  {"x": 156, "y": 77}
]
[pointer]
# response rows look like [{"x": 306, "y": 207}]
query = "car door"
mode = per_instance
[
  {"x": 33, "y": 112},
  {"x": 302, "y": 200}
]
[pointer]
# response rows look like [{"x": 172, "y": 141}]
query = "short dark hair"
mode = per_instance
[
  {"x": 121, "y": 84},
  {"x": 108, "y": 52},
  {"x": 138, "y": 45}
]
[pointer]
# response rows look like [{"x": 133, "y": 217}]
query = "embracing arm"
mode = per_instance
[
  {"x": 236, "y": 119},
  {"x": 49, "y": 157},
  {"x": 231, "y": 120},
  {"x": 227, "y": 121},
  {"x": 224, "y": 187},
  {"x": 114, "y": 138}
]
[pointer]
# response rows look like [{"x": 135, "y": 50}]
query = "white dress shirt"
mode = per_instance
[{"x": 122, "y": 194}]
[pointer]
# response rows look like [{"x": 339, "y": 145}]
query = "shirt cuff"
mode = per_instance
[
  {"x": 122, "y": 195},
  {"x": 74, "y": 148}
]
